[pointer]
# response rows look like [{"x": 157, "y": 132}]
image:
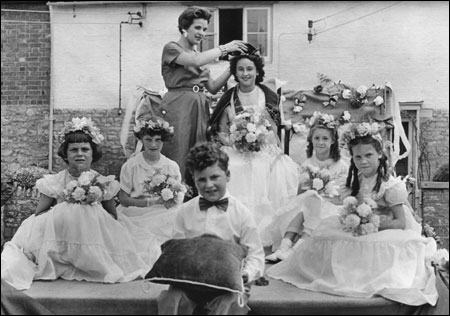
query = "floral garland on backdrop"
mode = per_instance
[{"x": 358, "y": 97}]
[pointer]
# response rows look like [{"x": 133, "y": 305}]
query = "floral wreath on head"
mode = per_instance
[
  {"x": 156, "y": 125},
  {"x": 354, "y": 130},
  {"x": 82, "y": 124},
  {"x": 322, "y": 119}
]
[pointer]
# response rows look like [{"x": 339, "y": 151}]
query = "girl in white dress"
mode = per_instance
[
  {"x": 74, "y": 233},
  {"x": 297, "y": 219},
  {"x": 139, "y": 211},
  {"x": 393, "y": 262},
  {"x": 263, "y": 180}
]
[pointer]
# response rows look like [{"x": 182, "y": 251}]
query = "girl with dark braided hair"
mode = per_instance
[
  {"x": 393, "y": 262},
  {"x": 369, "y": 170}
]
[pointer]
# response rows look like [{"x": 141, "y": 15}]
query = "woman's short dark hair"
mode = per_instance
[
  {"x": 188, "y": 16},
  {"x": 79, "y": 137},
  {"x": 256, "y": 59}
]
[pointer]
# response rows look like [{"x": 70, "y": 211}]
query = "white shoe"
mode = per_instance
[
  {"x": 286, "y": 244},
  {"x": 285, "y": 254},
  {"x": 274, "y": 256}
]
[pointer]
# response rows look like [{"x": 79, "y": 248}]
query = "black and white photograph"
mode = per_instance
[{"x": 225, "y": 157}]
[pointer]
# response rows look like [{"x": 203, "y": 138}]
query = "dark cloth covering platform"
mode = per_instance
[{"x": 278, "y": 298}]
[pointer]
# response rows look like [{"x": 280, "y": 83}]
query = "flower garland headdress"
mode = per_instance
[
  {"x": 154, "y": 124},
  {"x": 326, "y": 120},
  {"x": 353, "y": 130},
  {"x": 82, "y": 124}
]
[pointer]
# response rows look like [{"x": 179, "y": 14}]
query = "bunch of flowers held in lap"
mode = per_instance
[
  {"x": 314, "y": 178},
  {"x": 249, "y": 131},
  {"x": 165, "y": 187},
  {"x": 89, "y": 188},
  {"x": 359, "y": 218}
]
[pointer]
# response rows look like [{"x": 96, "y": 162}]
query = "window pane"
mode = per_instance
[
  {"x": 259, "y": 41},
  {"x": 208, "y": 40},
  {"x": 257, "y": 21},
  {"x": 211, "y": 23},
  {"x": 207, "y": 43}
]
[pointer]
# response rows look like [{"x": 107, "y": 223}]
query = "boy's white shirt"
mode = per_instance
[{"x": 236, "y": 225}]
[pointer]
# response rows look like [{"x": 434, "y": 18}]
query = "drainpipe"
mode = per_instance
[
  {"x": 130, "y": 21},
  {"x": 50, "y": 116}
]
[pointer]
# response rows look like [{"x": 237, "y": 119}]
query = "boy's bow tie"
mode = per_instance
[{"x": 221, "y": 204}]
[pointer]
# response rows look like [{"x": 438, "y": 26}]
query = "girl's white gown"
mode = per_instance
[
  {"x": 313, "y": 206},
  {"x": 76, "y": 242},
  {"x": 262, "y": 180},
  {"x": 392, "y": 263},
  {"x": 156, "y": 220}
]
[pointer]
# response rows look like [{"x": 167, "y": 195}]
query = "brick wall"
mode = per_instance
[
  {"x": 25, "y": 101},
  {"x": 435, "y": 134},
  {"x": 435, "y": 208},
  {"x": 25, "y": 84}
]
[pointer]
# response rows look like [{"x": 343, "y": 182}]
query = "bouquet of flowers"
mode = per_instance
[
  {"x": 249, "y": 131},
  {"x": 314, "y": 178},
  {"x": 359, "y": 218},
  {"x": 165, "y": 187},
  {"x": 88, "y": 189}
]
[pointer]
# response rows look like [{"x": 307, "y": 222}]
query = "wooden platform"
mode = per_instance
[{"x": 139, "y": 298}]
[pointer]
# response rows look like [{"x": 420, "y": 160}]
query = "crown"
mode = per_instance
[{"x": 82, "y": 124}]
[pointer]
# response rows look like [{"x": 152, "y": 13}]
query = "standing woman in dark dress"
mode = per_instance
[{"x": 185, "y": 75}]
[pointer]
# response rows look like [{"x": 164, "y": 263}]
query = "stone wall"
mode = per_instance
[
  {"x": 435, "y": 208},
  {"x": 15, "y": 211}
]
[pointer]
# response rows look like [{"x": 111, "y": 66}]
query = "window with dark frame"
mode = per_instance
[{"x": 251, "y": 24}]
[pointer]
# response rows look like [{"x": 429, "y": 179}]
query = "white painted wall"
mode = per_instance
[{"x": 406, "y": 45}]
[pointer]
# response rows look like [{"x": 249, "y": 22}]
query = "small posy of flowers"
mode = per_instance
[
  {"x": 299, "y": 103},
  {"x": 23, "y": 180},
  {"x": 88, "y": 189},
  {"x": 353, "y": 130},
  {"x": 440, "y": 260},
  {"x": 155, "y": 125},
  {"x": 314, "y": 178},
  {"x": 249, "y": 131},
  {"x": 357, "y": 97},
  {"x": 82, "y": 124},
  {"x": 166, "y": 187},
  {"x": 26, "y": 177},
  {"x": 359, "y": 218}
]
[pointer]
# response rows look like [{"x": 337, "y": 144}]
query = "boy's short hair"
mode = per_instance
[{"x": 205, "y": 155}]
